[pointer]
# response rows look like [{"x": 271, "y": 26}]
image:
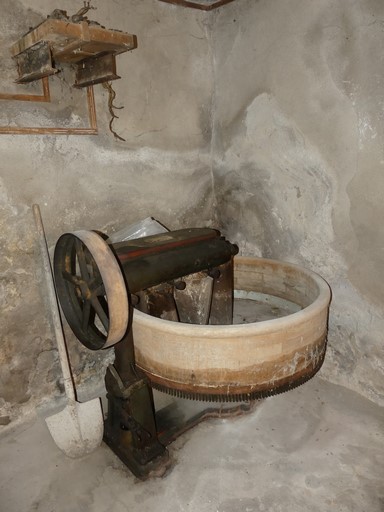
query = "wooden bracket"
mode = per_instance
[{"x": 35, "y": 63}]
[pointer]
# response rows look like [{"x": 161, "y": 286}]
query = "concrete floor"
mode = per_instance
[{"x": 317, "y": 448}]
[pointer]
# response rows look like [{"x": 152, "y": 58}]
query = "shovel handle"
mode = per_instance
[{"x": 56, "y": 319}]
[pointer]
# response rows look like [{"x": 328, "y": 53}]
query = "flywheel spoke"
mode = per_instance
[
  {"x": 73, "y": 279},
  {"x": 100, "y": 290},
  {"x": 100, "y": 312},
  {"x": 86, "y": 315},
  {"x": 82, "y": 261}
]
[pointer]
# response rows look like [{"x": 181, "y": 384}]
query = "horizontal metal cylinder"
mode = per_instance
[{"x": 159, "y": 258}]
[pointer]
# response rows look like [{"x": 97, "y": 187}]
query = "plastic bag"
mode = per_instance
[{"x": 146, "y": 227}]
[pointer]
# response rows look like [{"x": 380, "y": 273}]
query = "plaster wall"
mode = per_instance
[
  {"x": 299, "y": 161},
  {"x": 163, "y": 169}
]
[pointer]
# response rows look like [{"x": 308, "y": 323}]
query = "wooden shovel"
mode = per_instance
[{"x": 78, "y": 428}]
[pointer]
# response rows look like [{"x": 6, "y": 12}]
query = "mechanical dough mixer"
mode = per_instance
[{"x": 165, "y": 302}]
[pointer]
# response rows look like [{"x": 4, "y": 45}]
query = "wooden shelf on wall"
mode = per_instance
[
  {"x": 87, "y": 44},
  {"x": 74, "y": 42}
]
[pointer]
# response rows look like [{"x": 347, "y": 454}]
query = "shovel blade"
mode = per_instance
[{"x": 78, "y": 429}]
